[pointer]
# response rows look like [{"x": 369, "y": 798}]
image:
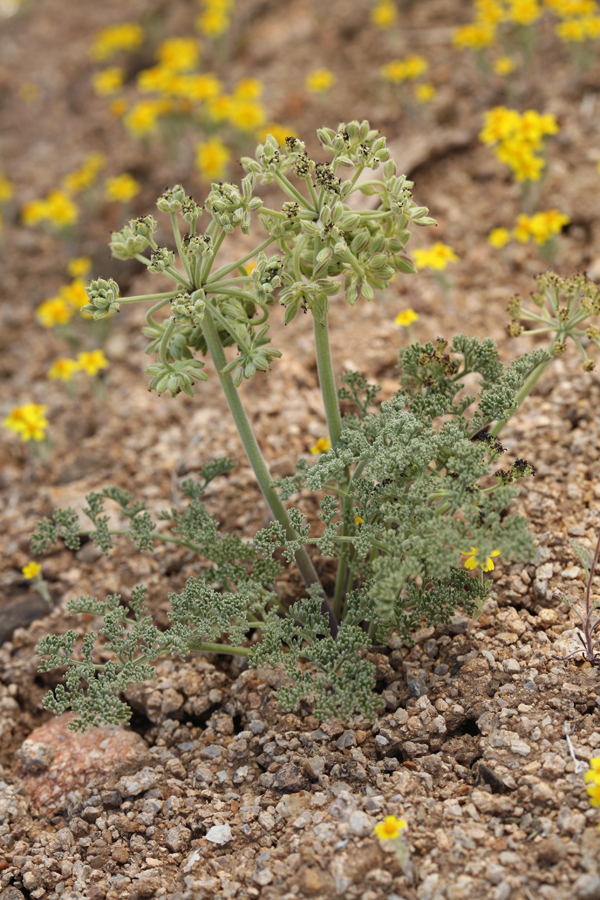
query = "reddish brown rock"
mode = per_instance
[{"x": 71, "y": 759}]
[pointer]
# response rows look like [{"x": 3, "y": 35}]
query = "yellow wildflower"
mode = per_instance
[
  {"x": 6, "y": 189},
  {"x": 437, "y": 257},
  {"x": 248, "y": 89},
  {"x": 472, "y": 561},
  {"x": 425, "y": 92},
  {"x": 212, "y": 23},
  {"x": 179, "y": 54},
  {"x": 121, "y": 188},
  {"x": 212, "y": 159},
  {"x": 85, "y": 176},
  {"x": 63, "y": 369},
  {"x": 322, "y": 446},
  {"x": 202, "y": 87},
  {"x": 247, "y": 115},
  {"x": 118, "y": 107},
  {"x": 358, "y": 520},
  {"x": 74, "y": 293},
  {"x": 524, "y": 12},
  {"x": 383, "y": 14},
  {"x": 504, "y": 65},
  {"x": 499, "y": 237},
  {"x": 79, "y": 266},
  {"x": 593, "y": 775},
  {"x": 141, "y": 118},
  {"x": 389, "y": 829},
  {"x": 279, "y": 132},
  {"x": 220, "y": 107},
  {"x": 61, "y": 211},
  {"x": 489, "y": 11},
  {"x": 92, "y": 361},
  {"x": 407, "y": 69},
  {"x": 28, "y": 421},
  {"x": 477, "y": 35},
  {"x": 126, "y": 36},
  {"x": 31, "y": 569},
  {"x": 108, "y": 81},
  {"x": 55, "y": 311},
  {"x": 33, "y": 212},
  {"x": 406, "y": 317},
  {"x": 319, "y": 81},
  {"x": 499, "y": 124}
]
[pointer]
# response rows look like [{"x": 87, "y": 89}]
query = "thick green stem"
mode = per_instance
[
  {"x": 255, "y": 457},
  {"x": 523, "y": 393},
  {"x": 327, "y": 381}
]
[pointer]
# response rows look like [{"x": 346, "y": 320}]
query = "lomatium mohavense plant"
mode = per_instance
[{"x": 403, "y": 492}]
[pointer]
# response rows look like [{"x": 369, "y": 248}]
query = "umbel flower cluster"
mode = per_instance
[{"x": 404, "y": 486}]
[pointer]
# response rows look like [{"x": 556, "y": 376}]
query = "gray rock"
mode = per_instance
[
  {"x": 314, "y": 767},
  {"x": 503, "y": 891},
  {"x": 34, "y": 756},
  {"x": 587, "y": 887},
  {"x": 132, "y": 785},
  {"x": 289, "y": 779},
  {"x": 346, "y": 740},
  {"x": 551, "y": 850},
  {"x": 212, "y": 751},
  {"x": 178, "y": 838},
  {"x": 219, "y": 834},
  {"x": 458, "y": 625},
  {"x": 11, "y": 893},
  {"x": 257, "y": 727},
  {"x": 360, "y": 823},
  {"x": 262, "y": 877}
]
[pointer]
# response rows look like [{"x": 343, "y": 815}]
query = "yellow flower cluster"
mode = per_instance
[
  {"x": 586, "y": 28},
  {"x": 59, "y": 310},
  {"x": 108, "y": 81},
  {"x": 436, "y": 257},
  {"x": 89, "y": 362},
  {"x": 568, "y": 9},
  {"x": 212, "y": 159},
  {"x": 319, "y": 81},
  {"x": 86, "y": 175},
  {"x": 540, "y": 227},
  {"x": 592, "y": 777},
  {"x": 518, "y": 138},
  {"x": 127, "y": 36},
  {"x": 407, "y": 69},
  {"x": 384, "y": 13},
  {"x": 215, "y": 18},
  {"x": 57, "y": 208},
  {"x": 489, "y": 14},
  {"x": 121, "y": 188},
  {"x": 28, "y": 421}
]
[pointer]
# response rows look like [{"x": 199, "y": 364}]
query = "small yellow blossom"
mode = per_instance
[
  {"x": 279, "y": 132},
  {"x": 406, "y": 317},
  {"x": 437, "y": 257},
  {"x": 63, "y": 369},
  {"x": 358, "y": 520},
  {"x": 383, "y": 14},
  {"x": 248, "y": 89},
  {"x": 425, "y": 92},
  {"x": 79, "y": 266},
  {"x": 74, "y": 293},
  {"x": 504, "y": 65},
  {"x": 179, "y": 54},
  {"x": 476, "y": 36},
  {"x": 118, "y": 107},
  {"x": 55, "y": 311},
  {"x": 489, "y": 11},
  {"x": 247, "y": 115},
  {"x": 472, "y": 561},
  {"x": 126, "y": 36},
  {"x": 121, "y": 188},
  {"x": 220, "y": 107},
  {"x": 28, "y": 421},
  {"x": 524, "y": 12},
  {"x": 499, "y": 237},
  {"x": 319, "y": 81},
  {"x": 389, "y": 829},
  {"x": 6, "y": 189},
  {"x": 92, "y": 361},
  {"x": 85, "y": 176},
  {"x": 141, "y": 118},
  {"x": 407, "y": 69},
  {"x": 593, "y": 775},
  {"x": 212, "y": 159},
  {"x": 108, "y": 81},
  {"x": 28, "y": 91},
  {"x": 215, "y": 18},
  {"x": 57, "y": 208},
  {"x": 31, "y": 569},
  {"x": 322, "y": 446}
]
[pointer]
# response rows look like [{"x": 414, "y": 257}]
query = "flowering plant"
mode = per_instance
[{"x": 403, "y": 485}]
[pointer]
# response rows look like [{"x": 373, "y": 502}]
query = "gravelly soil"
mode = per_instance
[{"x": 487, "y": 766}]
